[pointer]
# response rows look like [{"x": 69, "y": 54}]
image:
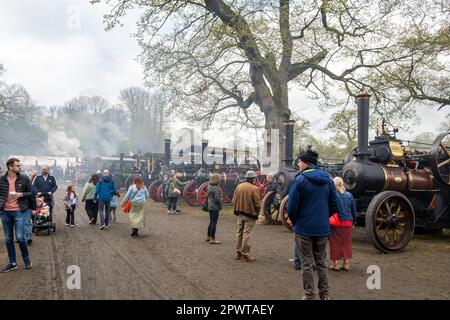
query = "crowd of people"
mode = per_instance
[
  {"x": 314, "y": 197},
  {"x": 29, "y": 198}
]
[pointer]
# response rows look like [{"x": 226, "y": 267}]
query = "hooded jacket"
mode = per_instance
[
  {"x": 312, "y": 200},
  {"x": 104, "y": 189}
]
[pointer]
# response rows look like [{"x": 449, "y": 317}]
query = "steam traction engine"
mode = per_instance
[
  {"x": 274, "y": 204},
  {"x": 195, "y": 191},
  {"x": 184, "y": 172},
  {"x": 230, "y": 174},
  {"x": 397, "y": 190}
]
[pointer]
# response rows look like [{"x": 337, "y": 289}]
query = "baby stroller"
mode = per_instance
[{"x": 43, "y": 220}]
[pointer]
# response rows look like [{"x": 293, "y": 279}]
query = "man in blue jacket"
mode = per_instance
[
  {"x": 312, "y": 200},
  {"x": 104, "y": 191},
  {"x": 45, "y": 185}
]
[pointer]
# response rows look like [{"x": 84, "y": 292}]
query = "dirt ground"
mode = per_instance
[{"x": 171, "y": 260}]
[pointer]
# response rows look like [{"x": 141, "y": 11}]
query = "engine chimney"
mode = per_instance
[
  {"x": 166, "y": 153},
  {"x": 247, "y": 155},
  {"x": 204, "y": 149},
  {"x": 192, "y": 153},
  {"x": 362, "y": 102},
  {"x": 289, "y": 143},
  {"x": 224, "y": 154},
  {"x": 121, "y": 162}
]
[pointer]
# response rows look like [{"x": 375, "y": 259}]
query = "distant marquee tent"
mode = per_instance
[{"x": 31, "y": 161}]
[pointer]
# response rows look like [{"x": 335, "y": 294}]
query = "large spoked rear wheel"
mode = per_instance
[
  {"x": 190, "y": 194},
  {"x": 270, "y": 207},
  {"x": 203, "y": 193},
  {"x": 390, "y": 221},
  {"x": 440, "y": 158},
  {"x": 153, "y": 189},
  {"x": 284, "y": 212}
]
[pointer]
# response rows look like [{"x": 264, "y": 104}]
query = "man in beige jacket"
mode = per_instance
[{"x": 246, "y": 205}]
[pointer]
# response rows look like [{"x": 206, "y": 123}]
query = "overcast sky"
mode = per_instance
[{"x": 58, "y": 50}]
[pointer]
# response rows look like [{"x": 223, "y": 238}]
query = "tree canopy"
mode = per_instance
[{"x": 218, "y": 56}]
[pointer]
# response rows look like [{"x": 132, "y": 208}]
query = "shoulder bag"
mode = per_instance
[
  {"x": 127, "y": 206},
  {"x": 205, "y": 205}
]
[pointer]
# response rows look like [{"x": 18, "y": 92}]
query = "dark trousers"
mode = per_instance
[
  {"x": 172, "y": 203},
  {"x": 213, "y": 217},
  {"x": 91, "y": 210},
  {"x": 313, "y": 249},
  {"x": 70, "y": 215}
]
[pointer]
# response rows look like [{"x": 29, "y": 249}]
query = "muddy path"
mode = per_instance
[{"x": 171, "y": 260}]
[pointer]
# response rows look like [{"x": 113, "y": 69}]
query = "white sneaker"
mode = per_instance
[
  {"x": 102, "y": 227},
  {"x": 106, "y": 227},
  {"x": 67, "y": 224}
]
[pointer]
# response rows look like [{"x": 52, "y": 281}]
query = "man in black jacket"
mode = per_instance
[
  {"x": 15, "y": 194},
  {"x": 45, "y": 185}
]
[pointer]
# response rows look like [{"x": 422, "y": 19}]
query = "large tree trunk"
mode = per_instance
[
  {"x": 274, "y": 103},
  {"x": 275, "y": 120},
  {"x": 275, "y": 115}
]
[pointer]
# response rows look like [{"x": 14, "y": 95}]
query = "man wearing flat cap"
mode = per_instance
[
  {"x": 246, "y": 205},
  {"x": 312, "y": 200}
]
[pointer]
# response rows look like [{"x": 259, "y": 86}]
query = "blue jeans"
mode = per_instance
[
  {"x": 28, "y": 225},
  {"x": 213, "y": 217},
  {"x": 297, "y": 261},
  {"x": 103, "y": 211},
  {"x": 14, "y": 221}
]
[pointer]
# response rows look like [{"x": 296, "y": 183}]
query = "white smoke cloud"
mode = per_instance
[{"x": 59, "y": 144}]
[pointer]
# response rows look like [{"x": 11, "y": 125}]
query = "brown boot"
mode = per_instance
[
  {"x": 248, "y": 258},
  {"x": 208, "y": 239},
  {"x": 335, "y": 266},
  {"x": 346, "y": 266},
  {"x": 238, "y": 255}
]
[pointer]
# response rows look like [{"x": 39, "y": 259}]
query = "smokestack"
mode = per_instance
[
  {"x": 288, "y": 143},
  {"x": 166, "y": 153},
  {"x": 192, "y": 153},
  {"x": 235, "y": 151},
  {"x": 247, "y": 155},
  {"x": 224, "y": 154},
  {"x": 362, "y": 102},
  {"x": 204, "y": 147},
  {"x": 121, "y": 162}
]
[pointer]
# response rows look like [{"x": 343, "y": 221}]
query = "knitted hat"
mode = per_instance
[{"x": 309, "y": 156}]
